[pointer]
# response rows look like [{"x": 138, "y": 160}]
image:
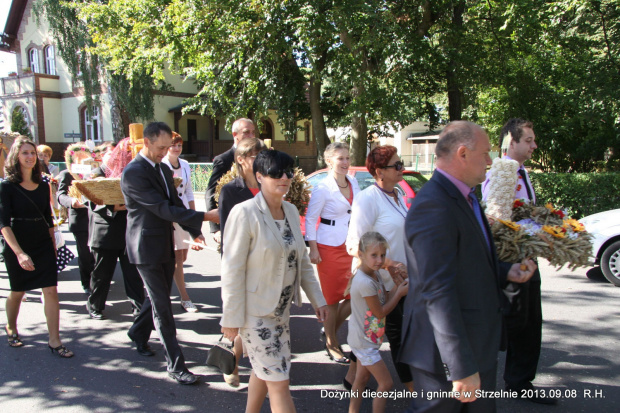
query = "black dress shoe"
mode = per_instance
[
  {"x": 87, "y": 291},
  {"x": 144, "y": 349},
  {"x": 94, "y": 314},
  {"x": 185, "y": 377}
]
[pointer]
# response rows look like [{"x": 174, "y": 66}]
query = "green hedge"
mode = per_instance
[{"x": 580, "y": 194}]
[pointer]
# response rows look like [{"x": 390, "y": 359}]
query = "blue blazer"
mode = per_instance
[
  {"x": 452, "y": 320},
  {"x": 150, "y": 213}
]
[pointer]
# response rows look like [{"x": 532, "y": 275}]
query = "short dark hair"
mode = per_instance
[
  {"x": 515, "y": 127},
  {"x": 455, "y": 134},
  {"x": 154, "y": 129},
  {"x": 379, "y": 158},
  {"x": 266, "y": 160},
  {"x": 12, "y": 170}
]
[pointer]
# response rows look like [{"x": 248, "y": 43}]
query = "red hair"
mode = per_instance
[
  {"x": 379, "y": 158},
  {"x": 176, "y": 138}
]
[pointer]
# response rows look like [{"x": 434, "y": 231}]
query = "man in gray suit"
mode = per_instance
[
  {"x": 153, "y": 204},
  {"x": 452, "y": 326}
]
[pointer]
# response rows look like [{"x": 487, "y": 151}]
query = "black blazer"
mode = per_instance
[
  {"x": 78, "y": 218},
  {"x": 231, "y": 194},
  {"x": 452, "y": 321},
  {"x": 221, "y": 165},
  {"x": 150, "y": 213}
]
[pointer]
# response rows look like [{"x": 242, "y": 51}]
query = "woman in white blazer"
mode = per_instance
[
  {"x": 180, "y": 168},
  {"x": 264, "y": 267},
  {"x": 330, "y": 204}
]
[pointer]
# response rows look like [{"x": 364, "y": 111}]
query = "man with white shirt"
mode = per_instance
[{"x": 524, "y": 320}]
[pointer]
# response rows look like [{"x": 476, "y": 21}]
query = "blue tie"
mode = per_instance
[{"x": 478, "y": 213}]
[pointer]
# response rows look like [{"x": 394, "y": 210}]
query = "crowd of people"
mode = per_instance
[{"x": 427, "y": 278}]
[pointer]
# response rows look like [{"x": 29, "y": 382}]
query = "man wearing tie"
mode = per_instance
[
  {"x": 152, "y": 206},
  {"x": 524, "y": 319},
  {"x": 452, "y": 319},
  {"x": 241, "y": 129}
]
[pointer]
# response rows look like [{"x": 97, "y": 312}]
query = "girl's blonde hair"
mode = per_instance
[{"x": 367, "y": 240}]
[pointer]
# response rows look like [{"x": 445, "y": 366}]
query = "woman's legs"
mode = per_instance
[
  {"x": 338, "y": 313},
  {"x": 51, "y": 307},
  {"x": 179, "y": 277},
  {"x": 13, "y": 303},
  {"x": 280, "y": 398},
  {"x": 257, "y": 391}
]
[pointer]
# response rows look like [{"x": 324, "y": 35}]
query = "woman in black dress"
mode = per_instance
[{"x": 29, "y": 252}]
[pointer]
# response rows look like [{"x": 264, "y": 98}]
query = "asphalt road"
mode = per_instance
[{"x": 579, "y": 357}]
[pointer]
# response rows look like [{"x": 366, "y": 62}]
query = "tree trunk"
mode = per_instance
[
  {"x": 359, "y": 140},
  {"x": 455, "y": 93},
  {"x": 455, "y": 104},
  {"x": 318, "y": 122},
  {"x": 116, "y": 118}
]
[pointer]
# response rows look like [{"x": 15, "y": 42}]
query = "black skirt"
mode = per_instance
[{"x": 34, "y": 238}]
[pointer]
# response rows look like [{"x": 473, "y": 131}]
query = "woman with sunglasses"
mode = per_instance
[
  {"x": 381, "y": 208},
  {"x": 331, "y": 206},
  {"x": 240, "y": 189},
  {"x": 265, "y": 265}
]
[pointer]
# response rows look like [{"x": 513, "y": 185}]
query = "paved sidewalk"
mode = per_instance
[{"x": 107, "y": 375}]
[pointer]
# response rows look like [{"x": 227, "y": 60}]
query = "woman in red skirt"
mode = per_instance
[{"x": 330, "y": 204}]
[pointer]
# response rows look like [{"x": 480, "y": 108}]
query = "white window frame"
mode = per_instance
[
  {"x": 50, "y": 60},
  {"x": 92, "y": 125},
  {"x": 33, "y": 58}
]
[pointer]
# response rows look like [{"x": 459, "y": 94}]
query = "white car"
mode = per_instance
[{"x": 605, "y": 228}]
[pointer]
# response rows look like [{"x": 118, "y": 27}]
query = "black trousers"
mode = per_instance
[
  {"x": 524, "y": 333},
  {"x": 426, "y": 382},
  {"x": 101, "y": 277},
  {"x": 156, "y": 313},
  {"x": 86, "y": 262}
]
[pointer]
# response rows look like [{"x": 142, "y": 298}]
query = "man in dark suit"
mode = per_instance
[
  {"x": 153, "y": 205},
  {"x": 108, "y": 224},
  {"x": 241, "y": 129},
  {"x": 78, "y": 225},
  {"x": 453, "y": 313}
]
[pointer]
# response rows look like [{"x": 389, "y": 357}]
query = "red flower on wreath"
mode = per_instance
[
  {"x": 559, "y": 213},
  {"x": 518, "y": 203},
  {"x": 519, "y": 187}
]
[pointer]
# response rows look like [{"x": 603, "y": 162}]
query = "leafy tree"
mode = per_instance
[{"x": 18, "y": 122}]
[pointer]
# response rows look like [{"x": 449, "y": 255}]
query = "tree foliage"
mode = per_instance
[{"x": 18, "y": 122}]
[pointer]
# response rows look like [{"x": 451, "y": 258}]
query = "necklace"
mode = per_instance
[
  {"x": 392, "y": 192},
  {"x": 346, "y": 186},
  {"x": 175, "y": 167},
  {"x": 398, "y": 209}
]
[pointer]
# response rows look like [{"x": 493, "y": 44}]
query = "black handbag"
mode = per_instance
[{"x": 222, "y": 356}]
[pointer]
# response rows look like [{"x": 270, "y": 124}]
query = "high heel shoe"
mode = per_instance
[
  {"x": 62, "y": 351},
  {"x": 341, "y": 360}
]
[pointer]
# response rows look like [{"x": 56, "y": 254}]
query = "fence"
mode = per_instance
[{"x": 422, "y": 163}]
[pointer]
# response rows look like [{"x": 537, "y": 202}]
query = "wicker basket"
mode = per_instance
[{"x": 103, "y": 191}]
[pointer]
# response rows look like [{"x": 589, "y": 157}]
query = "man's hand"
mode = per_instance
[
  {"x": 213, "y": 216},
  {"x": 199, "y": 240},
  {"x": 121, "y": 207},
  {"x": 522, "y": 272},
  {"x": 77, "y": 204},
  {"x": 322, "y": 313},
  {"x": 468, "y": 384},
  {"x": 230, "y": 333}
]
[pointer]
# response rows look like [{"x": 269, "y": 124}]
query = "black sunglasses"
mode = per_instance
[
  {"x": 398, "y": 166},
  {"x": 276, "y": 173}
]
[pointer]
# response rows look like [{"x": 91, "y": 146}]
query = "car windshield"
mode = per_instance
[
  {"x": 314, "y": 180},
  {"x": 364, "y": 179}
]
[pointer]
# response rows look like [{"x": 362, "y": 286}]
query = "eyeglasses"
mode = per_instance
[
  {"x": 398, "y": 166},
  {"x": 276, "y": 173}
]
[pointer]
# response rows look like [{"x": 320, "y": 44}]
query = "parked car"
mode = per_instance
[
  {"x": 605, "y": 228},
  {"x": 408, "y": 187}
]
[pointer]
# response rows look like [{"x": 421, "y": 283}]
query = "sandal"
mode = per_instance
[
  {"x": 13, "y": 339},
  {"x": 341, "y": 360},
  {"x": 62, "y": 351}
]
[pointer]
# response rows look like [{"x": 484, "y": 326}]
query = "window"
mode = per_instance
[
  {"x": 33, "y": 56},
  {"x": 50, "y": 60},
  {"x": 92, "y": 125}
]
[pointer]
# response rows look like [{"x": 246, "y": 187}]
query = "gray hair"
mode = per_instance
[
  {"x": 455, "y": 134},
  {"x": 333, "y": 147},
  {"x": 237, "y": 123}
]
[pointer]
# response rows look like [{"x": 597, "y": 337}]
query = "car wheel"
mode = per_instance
[{"x": 610, "y": 263}]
